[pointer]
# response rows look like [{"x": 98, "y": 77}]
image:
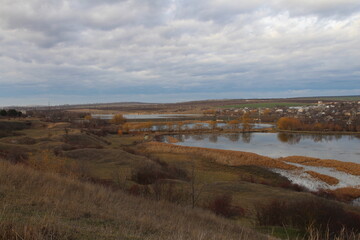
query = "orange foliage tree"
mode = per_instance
[
  {"x": 246, "y": 122},
  {"x": 234, "y": 124},
  {"x": 288, "y": 123},
  {"x": 118, "y": 119}
]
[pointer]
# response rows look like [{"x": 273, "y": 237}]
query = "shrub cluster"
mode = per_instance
[
  {"x": 151, "y": 173},
  {"x": 14, "y": 156},
  {"x": 324, "y": 216},
  {"x": 222, "y": 205},
  {"x": 289, "y": 123},
  {"x": 10, "y": 113}
]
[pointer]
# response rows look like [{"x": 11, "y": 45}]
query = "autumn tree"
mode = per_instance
[
  {"x": 118, "y": 119},
  {"x": 246, "y": 122},
  {"x": 288, "y": 123},
  {"x": 233, "y": 124},
  {"x": 213, "y": 125}
]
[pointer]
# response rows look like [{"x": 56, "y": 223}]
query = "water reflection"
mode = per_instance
[
  {"x": 180, "y": 138},
  {"x": 246, "y": 137},
  {"x": 295, "y": 138},
  {"x": 234, "y": 137},
  {"x": 198, "y": 137},
  {"x": 213, "y": 138},
  {"x": 340, "y": 147},
  {"x": 289, "y": 138}
]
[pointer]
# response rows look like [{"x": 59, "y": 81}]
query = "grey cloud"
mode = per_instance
[
  {"x": 212, "y": 45},
  {"x": 323, "y": 8}
]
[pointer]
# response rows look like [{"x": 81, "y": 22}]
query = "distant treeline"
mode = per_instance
[
  {"x": 288, "y": 123},
  {"x": 10, "y": 113}
]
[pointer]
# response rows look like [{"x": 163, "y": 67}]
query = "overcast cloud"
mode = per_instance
[{"x": 85, "y": 51}]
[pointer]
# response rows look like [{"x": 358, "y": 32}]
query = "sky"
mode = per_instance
[{"x": 91, "y": 51}]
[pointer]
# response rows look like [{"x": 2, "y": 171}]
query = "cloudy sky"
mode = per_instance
[{"x": 87, "y": 51}]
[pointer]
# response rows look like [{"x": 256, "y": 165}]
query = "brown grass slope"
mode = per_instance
[{"x": 36, "y": 205}]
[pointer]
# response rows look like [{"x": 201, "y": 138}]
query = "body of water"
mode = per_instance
[
  {"x": 340, "y": 147},
  {"x": 207, "y": 126},
  {"x": 146, "y": 116}
]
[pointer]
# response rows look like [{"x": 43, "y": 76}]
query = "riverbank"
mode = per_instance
[
  {"x": 240, "y": 158},
  {"x": 319, "y": 132}
]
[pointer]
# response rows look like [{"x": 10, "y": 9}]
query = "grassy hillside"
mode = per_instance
[
  {"x": 72, "y": 184},
  {"x": 37, "y": 205}
]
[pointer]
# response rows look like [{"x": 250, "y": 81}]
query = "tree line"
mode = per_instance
[
  {"x": 10, "y": 113},
  {"x": 294, "y": 124}
]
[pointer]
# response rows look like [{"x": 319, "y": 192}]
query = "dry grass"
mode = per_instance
[
  {"x": 325, "y": 178},
  {"x": 231, "y": 158},
  {"x": 346, "y": 193},
  {"x": 171, "y": 139},
  {"x": 347, "y": 167},
  {"x": 61, "y": 125},
  {"x": 36, "y": 205}
]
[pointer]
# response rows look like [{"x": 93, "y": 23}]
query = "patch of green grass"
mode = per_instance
[
  {"x": 340, "y": 98},
  {"x": 282, "y": 232},
  {"x": 266, "y": 105},
  {"x": 123, "y": 140}
]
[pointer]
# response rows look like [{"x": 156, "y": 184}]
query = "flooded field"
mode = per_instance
[{"x": 344, "y": 148}]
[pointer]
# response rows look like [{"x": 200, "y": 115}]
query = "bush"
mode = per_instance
[
  {"x": 14, "y": 156},
  {"x": 324, "y": 216},
  {"x": 147, "y": 174},
  {"x": 221, "y": 205},
  {"x": 150, "y": 173},
  {"x": 170, "y": 191}
]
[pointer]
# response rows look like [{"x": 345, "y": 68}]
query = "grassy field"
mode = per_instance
[
  {"x": 266, "y": 105},
  {"x": 39, "y": 206},
  {"x": 341, "y": 98}
]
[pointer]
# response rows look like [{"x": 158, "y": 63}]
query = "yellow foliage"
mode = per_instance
[
  {"x": 246, "y": 120},
  {"x": 233, "y": 124},
  {"x": 118, "y": 119},
  {"x": 288, "y": 123}
]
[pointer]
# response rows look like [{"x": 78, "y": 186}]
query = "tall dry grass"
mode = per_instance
[
  {"x": 347, "y": 167},
  {"x": 346, "y": 193},
  {"x": 231, "y": 158},
  {"x": 324, "y": 178},
  {"x": 36, "y": 205}
]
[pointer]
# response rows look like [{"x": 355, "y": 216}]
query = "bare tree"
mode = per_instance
[{"x": 196, "y": 189}]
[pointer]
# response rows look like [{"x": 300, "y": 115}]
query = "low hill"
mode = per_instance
[{"x": 36, "y": 205}]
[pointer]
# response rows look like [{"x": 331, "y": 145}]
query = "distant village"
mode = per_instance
[
  {"x": 322, "y": 116},
  {"x": 344, "y": 114}
]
